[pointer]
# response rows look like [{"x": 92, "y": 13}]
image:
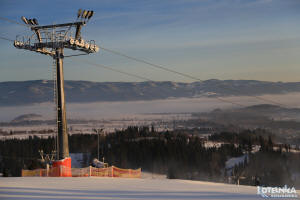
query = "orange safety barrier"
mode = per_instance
[
  {"x": 84, "y": 172},
  {"x": 81, "y": 172},
  {"x": 36, "y": 172},
  {"x": 102, "y": 172},
  {"x": 126, "y": 173}
]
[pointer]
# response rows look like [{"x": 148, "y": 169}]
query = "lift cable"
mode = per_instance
[
  {"x": 13, "y": 21},
  {"x": 151, "y": 64},
  {"x": 4, "y": 38},
  {"x": 119, "y": 71},
  {"x": 147, "y": 79},
  {"x": 185, "y": 75}
]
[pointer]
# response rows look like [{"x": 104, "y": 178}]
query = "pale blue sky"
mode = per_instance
[{"x": 223, "y": 39}]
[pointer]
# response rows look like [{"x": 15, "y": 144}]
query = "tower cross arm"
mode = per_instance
[{"x": 58, "y": 25}]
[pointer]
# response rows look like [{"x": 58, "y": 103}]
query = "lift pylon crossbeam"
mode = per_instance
[
  {"x": 58, "y": 25},
  {"x": 87, "y": 47}
]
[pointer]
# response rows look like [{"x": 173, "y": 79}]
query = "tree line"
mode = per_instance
[{"x": 176, "y": 154}]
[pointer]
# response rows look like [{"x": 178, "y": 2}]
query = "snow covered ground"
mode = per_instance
[{"x": 119, "y": 188}]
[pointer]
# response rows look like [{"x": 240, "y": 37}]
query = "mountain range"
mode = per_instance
[{"x": 39, "y": 91}]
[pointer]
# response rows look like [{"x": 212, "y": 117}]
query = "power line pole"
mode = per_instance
[
  {"x": 51, "y": 40},
  {"x": 98, "y": 131}
]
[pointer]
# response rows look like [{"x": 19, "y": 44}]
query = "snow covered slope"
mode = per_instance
[{"x": 118, "y": 188}]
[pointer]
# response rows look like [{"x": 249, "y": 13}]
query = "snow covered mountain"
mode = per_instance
[{"x": 39, "y": 91}]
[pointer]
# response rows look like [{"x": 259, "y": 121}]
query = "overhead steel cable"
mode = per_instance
[
  {"x": 119, "y": 71},
  {"x": 148, "y": 63},
  {"x": 184, "y": 74},
  {"x": 73, "y": 55},
  {"x": 13, "y": 21},
  {"x": 147, "y": 79},
  {"x": 4, "y": 38}
]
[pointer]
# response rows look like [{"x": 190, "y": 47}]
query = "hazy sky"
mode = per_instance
[{"x": 223, "y": 39}]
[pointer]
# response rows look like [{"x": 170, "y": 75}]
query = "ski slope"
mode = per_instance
[{"x": 119, "y": 188}]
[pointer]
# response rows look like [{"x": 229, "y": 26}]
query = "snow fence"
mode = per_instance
[{"x": 84, "y": 172}]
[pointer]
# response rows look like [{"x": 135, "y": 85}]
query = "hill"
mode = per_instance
[{"x": 39, "y": 91}]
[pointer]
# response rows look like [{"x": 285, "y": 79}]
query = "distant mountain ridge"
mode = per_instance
[
  {"x": 39, "y": 91},
  {"x": 27, "y": 117}
]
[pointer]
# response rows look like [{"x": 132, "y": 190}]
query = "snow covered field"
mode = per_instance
[{"x": 119, "y": 188}]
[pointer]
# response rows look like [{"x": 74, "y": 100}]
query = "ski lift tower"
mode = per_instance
[{"x": 51, "y": 40}]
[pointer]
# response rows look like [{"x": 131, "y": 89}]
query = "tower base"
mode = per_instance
[{"x": 63, "y": 166}]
